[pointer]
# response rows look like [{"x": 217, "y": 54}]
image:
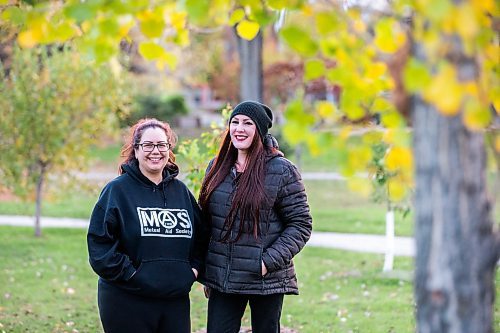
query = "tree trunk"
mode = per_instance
[
  {"x": 250, "y": 53},
  {"x": 38, "y": 204},
  {"x": 457, "y": 249}
]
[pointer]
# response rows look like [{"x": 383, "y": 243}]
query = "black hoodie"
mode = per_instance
[{"x": 141, "y": 235}]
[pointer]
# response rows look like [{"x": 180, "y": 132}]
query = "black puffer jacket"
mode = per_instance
[{"x": 285, "y": 224}]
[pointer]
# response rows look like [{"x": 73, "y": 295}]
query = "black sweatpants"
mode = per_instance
[
  {"x": 226, "y": 310},
  {"x": 122, "y": 312}
]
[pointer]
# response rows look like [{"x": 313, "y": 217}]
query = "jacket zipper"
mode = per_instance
[
  {"x": 228, "y": 263},
  {"x": 230, "y": 257}
]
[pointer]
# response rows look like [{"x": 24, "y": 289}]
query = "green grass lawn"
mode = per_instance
[
  {"x": 48, "y": 286},
  {"x": 337, "y": 209}
]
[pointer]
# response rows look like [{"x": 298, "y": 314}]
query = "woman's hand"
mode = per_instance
[
  {"x": 264, "y": 268},
  {"x": 195, "y": 272}
]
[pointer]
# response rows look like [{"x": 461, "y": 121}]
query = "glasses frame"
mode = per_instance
[{"x": 155, "y": 145}]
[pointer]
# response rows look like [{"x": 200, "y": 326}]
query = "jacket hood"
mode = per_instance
[
  {"x": 270, "y": 142},
  {"x": 132, "y": 169}
]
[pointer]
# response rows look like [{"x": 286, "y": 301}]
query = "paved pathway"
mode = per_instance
[{"x": 403, "y": 246}]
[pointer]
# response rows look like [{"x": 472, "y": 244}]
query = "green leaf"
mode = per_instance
[
  {"x": 197, "y": 10},
  {"x": 326, "y": 22},
  {"x": 476, "y": 117},
  {"x": 314, "y": 69},
  {"x": 328, "y": 47},
  {"x": 109, "y": 26},
  {"x": 438, "y": 10},
  {"x": 150, "y": 50},
  {"x": 63, "y": 32},
  {"x": 285, "y": 4},
  {"x": 299, "y": 40},
  {"x": 105, "y": 49},
  {"x": 416, "y": 76},
  {"x": 392, "y": 119},
  {"x": 80, "y": 11},
  {"x": 152, "y": 24},
  {"x": 14, "y": 15}
]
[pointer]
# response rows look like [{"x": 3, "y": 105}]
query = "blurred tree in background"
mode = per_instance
[
  {"x": 54, "y": 106},
  {"x": 166, "y": 108}
]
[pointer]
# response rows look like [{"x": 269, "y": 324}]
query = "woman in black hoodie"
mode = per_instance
[
  {"x": 140, "y": 238},
  {"x": 256, "y": 206}
]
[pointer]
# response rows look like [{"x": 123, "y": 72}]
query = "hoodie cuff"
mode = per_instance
[{"x": 129, "y": 272}]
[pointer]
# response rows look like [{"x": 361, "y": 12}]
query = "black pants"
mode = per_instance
[
  {"x": 226, "y": 310},
  {"x": 122, "y": 312}
]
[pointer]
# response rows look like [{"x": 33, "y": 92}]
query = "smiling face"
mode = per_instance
[
  {"x": 242, "y": 129},
  {"x": 152, "y": 163}
]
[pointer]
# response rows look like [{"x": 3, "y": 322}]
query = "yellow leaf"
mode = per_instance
[
  {"x": 359, "y": 157},
  {"x": 178, "y": 19},
  {"x": 29, "y": 38},
  {"x": 359, "y": 26},
  {"x": 372, "y": 137},
  {"x": 497, "y": 144},
  {"x": 486, "y": 6},
  {"x": 376, "y": 70},
  {"x": 465, "y": 21},
  {"x": 389, "y": 37},
  {"x": 150, "y": 50},
  {"x": 496, "y": 103},
  {"x": 325, "y": 109},
  {"x": 169, "y": 59},
  {"x": 444, "y": 92},
  {"x": 470, "y": 88},
  {"x": 359, "y": 185},
  {"x": 354, "y": 112},
  {"x": 182, "y": 37},
  {"x": 307, "y": 10},
  {"x": 398, "y": 158},
  {"x": 392, "y": 119},
  {"x": 247, "y": 29},
  {"x": 294, "y": 132},
  {"x": 475, "y": 115},
  {"x": 86, "y": 26},
  {"x": 345, "y": 132},
  {"x": 397, "y": 189},
  {"x": 236, "y": 16},
  {"x": 313, "y": 146},
  {"x": 152, "y": 23}
]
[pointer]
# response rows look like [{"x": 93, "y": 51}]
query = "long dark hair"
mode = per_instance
[
  {"x": 135, "y": 135},
  {"x": 249, "y": 194}
]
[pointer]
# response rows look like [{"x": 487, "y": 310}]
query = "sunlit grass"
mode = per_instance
[{"x": 48, "y": 286}]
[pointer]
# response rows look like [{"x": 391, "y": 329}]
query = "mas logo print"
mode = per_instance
[{"x": 165, "y": 222}]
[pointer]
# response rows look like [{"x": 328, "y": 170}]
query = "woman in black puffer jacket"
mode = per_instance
[{"x": 256, "y": 208}]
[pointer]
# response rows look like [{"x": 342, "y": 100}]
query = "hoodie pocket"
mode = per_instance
[{"x": 163, "y": 278}]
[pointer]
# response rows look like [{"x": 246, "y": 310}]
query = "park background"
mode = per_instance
[{"x": 340, "y": 77}]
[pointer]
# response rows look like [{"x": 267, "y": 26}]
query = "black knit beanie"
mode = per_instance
[{"x": 260, "y": 114}]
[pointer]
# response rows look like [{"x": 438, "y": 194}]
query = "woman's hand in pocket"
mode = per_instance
[
  {"x": 206, "y": 291},
  {"x": 264, "y": 268}
]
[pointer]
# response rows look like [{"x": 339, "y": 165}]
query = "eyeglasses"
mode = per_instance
[{"x": 149, "y": 147}]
